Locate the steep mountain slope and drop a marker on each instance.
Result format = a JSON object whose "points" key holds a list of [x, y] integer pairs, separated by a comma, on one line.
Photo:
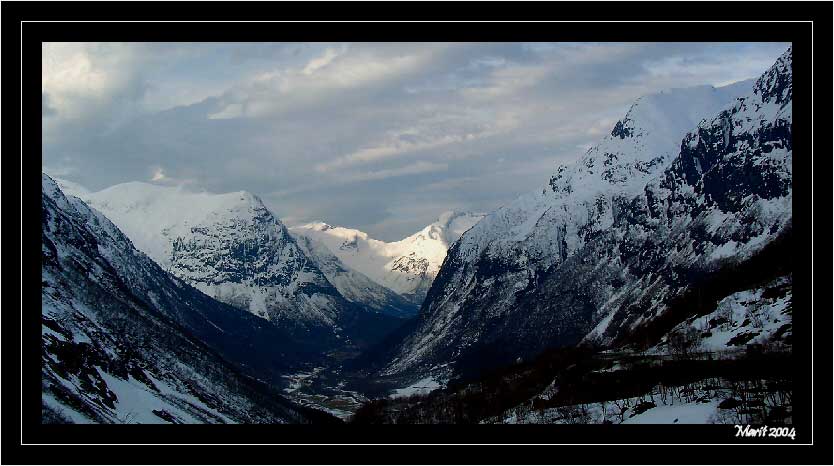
{"points": [[231, 247], [614, 237], [355, 286], [726, 197], [408, 266], [125, 342]]}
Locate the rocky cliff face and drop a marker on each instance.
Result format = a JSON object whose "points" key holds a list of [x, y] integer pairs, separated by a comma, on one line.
{"points": [[601, 250], [725, 197]]}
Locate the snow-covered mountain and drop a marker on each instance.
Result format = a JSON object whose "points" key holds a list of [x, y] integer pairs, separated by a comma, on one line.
{"points": [[605, 247], [125, 342], [355, 286], [408, 266], [231, 247]]}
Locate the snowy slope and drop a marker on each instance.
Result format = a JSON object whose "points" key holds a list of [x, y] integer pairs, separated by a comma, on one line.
{"points": [[231, 247], [408, 266], [125, 342], [353, 285], [618, 233], [70, 188], [762, 315]]}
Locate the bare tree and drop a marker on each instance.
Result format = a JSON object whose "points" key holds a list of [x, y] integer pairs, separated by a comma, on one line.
{"points": [[622, 407], [684, 343], [754, 317]]}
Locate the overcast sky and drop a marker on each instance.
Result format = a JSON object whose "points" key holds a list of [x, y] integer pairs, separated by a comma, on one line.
{"points": [[380, 137]]}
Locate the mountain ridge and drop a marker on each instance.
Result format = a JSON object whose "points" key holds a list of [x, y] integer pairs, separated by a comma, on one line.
{"points": [[586, 251]]}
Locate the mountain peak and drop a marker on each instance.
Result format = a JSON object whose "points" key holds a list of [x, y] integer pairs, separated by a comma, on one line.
{"points": [[407, 266], [143, 210], [643, 142], [776, 84], [319, 226]]}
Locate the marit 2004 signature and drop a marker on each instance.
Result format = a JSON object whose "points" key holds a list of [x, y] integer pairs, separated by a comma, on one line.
{"points": [[765, 431]]}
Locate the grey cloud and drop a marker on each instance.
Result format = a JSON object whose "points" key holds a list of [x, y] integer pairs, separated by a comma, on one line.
{"points": [[467, 126], [46, 110]]}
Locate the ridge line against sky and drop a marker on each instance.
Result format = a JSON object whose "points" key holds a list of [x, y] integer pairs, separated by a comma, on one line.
{"points": [[378, 137]]}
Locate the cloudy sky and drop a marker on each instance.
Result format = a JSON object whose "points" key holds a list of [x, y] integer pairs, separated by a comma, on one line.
{"points": [[380, 137]]}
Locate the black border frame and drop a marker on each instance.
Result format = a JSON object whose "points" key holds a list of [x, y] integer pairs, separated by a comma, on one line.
{"points": [[806, 25]]}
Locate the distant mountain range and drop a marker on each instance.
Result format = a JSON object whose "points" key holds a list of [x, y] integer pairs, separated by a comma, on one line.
{"points": [[234, 249], [406, 267]]}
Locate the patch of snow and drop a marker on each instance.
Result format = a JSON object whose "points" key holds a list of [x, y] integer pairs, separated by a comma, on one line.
{"points": [[421, 387], [683, 413]]}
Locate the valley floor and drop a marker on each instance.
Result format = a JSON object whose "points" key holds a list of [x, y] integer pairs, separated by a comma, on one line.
{"points": [[342, 393], [323, 388]]}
